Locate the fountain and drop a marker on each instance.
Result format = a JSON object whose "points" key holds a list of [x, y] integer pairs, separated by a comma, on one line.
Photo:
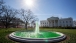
{"points": [[37, 36]]}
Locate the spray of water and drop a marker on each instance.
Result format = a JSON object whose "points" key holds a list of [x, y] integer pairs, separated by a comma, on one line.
{"points": [[36, 33], [37, 28]]}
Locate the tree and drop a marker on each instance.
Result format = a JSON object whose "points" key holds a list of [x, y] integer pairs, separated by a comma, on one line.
{"points": [[7, 16], [27, 16], [16, 22], [1, 6]]}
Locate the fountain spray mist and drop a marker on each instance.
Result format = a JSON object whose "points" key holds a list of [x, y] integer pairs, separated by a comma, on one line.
{"points": [[37, 28]]}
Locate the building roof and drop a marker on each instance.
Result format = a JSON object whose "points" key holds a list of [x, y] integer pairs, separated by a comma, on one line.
{"points": [[43, 21], [66, 18]]}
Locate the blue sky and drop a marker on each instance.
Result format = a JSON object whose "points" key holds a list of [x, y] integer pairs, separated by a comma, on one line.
{"points": [[47, 8]]}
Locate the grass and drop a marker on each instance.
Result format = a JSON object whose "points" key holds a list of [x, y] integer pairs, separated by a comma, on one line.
{"points": [[71, 33]]}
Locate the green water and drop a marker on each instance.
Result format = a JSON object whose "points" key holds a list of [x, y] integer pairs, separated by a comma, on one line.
{"points": [[43, 34]]}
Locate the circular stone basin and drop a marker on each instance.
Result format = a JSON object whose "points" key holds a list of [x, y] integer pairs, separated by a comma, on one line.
{"points": [[41, 37]]}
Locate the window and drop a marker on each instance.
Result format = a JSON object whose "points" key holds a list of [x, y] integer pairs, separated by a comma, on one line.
{"points": [[47, 22], [70, 25], [70, 21], [60, 22], [63, 21], [66, 22], [67, 25], [43, 23]]}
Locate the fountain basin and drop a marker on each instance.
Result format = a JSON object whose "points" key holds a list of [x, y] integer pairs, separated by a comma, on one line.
{"points": [[41, 37]]}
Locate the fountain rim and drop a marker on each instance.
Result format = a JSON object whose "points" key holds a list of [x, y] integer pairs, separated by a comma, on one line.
{"points": [[61, 35], [23, 40]]}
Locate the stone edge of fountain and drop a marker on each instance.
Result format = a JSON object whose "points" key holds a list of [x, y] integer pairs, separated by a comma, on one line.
{"points": [[18, 39]]}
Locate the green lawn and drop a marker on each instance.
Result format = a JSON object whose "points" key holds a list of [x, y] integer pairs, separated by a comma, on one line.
{"points": [[71, 33]]}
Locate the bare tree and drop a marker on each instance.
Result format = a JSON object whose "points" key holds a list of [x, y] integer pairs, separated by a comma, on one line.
{"points": [[7, 16], [27, 16], [1, 6]]}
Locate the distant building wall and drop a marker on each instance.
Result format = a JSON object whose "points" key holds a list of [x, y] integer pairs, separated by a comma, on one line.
{"points": [[56, 22], [74, 23]]}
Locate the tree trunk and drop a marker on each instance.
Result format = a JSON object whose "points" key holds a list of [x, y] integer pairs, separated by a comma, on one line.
{"points": [[26, 25], [6, 25]]}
